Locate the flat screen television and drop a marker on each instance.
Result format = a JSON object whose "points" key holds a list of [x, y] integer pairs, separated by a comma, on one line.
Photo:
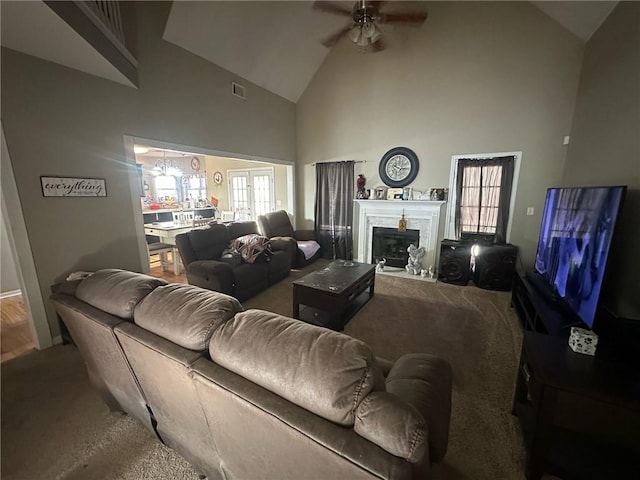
{"points": [[574, 242]]}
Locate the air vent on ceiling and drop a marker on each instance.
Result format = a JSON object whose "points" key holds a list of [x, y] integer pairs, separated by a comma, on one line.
{"points": [[238, 90]]}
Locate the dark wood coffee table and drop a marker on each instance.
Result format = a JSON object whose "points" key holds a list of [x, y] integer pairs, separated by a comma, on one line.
{"points": [[334, 294]]}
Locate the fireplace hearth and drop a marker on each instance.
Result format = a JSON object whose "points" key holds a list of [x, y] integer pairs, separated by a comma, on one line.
{"points": [[391, 244]]}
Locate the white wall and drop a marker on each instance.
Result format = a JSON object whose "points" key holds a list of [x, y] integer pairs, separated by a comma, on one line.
{"points": [[476, 77]]}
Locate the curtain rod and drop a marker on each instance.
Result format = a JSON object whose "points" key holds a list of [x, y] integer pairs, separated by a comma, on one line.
{"points": [[354, 161]]}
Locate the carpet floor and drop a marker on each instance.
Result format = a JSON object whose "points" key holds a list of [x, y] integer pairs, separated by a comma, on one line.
{"points": [[55, 426]]}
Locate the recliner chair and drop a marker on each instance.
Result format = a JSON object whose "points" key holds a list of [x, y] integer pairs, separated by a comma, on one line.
{"points": [[278, 225]]}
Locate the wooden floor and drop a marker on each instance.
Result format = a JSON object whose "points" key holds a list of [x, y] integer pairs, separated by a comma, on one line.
{"points": [[166, 273], [15, 336]]}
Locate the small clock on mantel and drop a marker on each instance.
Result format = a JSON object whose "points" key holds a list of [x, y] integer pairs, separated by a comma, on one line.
{"points": [[398, 167]]}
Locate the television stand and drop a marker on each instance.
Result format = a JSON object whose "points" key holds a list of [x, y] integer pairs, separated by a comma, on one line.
{"points": [[539, 312], [580, 415]]}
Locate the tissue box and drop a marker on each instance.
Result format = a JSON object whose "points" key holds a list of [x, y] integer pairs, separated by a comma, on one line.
{"points": [[583, 341]]}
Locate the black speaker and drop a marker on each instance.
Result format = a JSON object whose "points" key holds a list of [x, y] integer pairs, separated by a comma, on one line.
{"points": [[495, 266], [455, 262]]}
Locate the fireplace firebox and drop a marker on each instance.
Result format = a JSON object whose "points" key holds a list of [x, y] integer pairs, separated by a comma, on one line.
{"points": [[391, 244]]}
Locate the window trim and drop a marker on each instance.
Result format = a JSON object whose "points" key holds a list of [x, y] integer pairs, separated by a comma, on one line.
{"points": [[450, 230]]}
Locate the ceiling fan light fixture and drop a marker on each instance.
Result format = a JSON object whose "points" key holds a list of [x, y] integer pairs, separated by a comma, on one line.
{"points": [[368, 29], [377, 33], [355, 33], [363, 41]]}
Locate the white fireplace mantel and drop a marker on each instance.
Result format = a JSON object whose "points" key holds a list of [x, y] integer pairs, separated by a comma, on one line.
{"points": [[426, 216]]}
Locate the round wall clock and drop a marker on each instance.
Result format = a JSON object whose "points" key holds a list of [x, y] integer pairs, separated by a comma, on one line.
{"points": [[195, 163], [217, 178], [398, 167]]}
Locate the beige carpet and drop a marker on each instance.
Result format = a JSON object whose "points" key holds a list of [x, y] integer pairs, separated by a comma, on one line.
{"points": [[55, 426]]}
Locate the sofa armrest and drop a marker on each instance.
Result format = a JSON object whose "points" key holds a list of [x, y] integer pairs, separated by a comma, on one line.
{"points": [[212, 275], [425, 382], [287, 244], [305, 235], [394, 425]]}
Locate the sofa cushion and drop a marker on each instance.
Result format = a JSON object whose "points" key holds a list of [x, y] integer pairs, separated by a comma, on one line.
{"points": [[326, 372], [392, 424], [185, 315], [231, 257], [251, 246], [116, 291], [209, 243]]}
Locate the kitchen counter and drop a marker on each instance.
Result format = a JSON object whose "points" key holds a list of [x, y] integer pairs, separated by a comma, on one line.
{"points": [[165, 210]]}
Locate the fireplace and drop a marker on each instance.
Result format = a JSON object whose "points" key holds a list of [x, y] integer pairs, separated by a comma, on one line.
{"points": [[391, 244], [427, 217]]}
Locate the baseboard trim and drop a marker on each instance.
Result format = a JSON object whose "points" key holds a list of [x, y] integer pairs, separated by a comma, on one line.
{"points": [[11, 293]]}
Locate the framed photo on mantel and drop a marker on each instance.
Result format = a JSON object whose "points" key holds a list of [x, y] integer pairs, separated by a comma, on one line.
{"points": [[394, 194], [438, 193]]}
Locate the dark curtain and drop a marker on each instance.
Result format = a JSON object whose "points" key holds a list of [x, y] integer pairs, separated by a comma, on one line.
{"points": [[470, 172], [334, 209], [508, 165]]}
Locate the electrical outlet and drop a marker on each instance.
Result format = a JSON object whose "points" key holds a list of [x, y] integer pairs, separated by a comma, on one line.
{"points": [[530, 210], [566, 140]]}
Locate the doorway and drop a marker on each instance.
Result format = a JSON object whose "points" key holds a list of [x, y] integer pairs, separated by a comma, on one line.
{"points": [[240, 186], [251, 192]]}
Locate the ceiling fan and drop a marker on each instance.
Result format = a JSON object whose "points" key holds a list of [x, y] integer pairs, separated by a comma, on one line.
{"points": [[366, 17]]}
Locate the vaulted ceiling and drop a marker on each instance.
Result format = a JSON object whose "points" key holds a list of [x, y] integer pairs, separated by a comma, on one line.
{"points": [[276, 45]]}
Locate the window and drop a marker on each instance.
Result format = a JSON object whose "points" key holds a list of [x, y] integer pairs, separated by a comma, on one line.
{"points": [[480, 199], [482, 196], [166, 188], [194, 187]]}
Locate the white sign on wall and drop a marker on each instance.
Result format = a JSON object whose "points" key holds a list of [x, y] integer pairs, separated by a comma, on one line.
{"points": [[73, 187]]}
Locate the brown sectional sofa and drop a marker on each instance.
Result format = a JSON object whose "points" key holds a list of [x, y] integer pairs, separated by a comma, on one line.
{"points": [[201, 252], [252, 394]]}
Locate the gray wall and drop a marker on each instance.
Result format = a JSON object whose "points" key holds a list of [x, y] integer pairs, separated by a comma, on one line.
{"points": [[605, 141], [475, 78], [63, 122]]}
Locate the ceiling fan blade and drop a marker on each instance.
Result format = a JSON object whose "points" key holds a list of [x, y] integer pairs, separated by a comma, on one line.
{"points": [[377, 4], [416, 17], [332, 7], [333, 39]]}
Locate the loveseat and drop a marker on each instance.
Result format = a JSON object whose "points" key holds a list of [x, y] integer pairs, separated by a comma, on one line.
{"points": [[252, 394], [201, 251]]}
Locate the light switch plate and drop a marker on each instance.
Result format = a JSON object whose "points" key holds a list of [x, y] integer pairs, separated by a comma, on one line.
{"points": [[530, 210]]}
